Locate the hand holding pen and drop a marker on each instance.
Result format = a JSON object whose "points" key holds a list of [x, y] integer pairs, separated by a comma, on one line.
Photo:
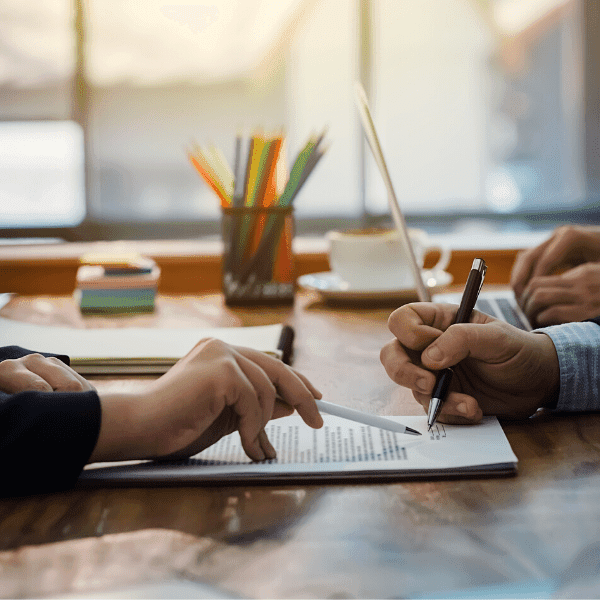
{"points": [[498, 369], [285, 345], [463, 315]]}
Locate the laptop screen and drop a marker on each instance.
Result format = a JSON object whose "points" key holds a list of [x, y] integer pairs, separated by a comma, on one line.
{"points": [[369, 128]]}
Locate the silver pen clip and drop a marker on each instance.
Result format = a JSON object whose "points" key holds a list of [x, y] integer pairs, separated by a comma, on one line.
{"points": [[480, 266]]}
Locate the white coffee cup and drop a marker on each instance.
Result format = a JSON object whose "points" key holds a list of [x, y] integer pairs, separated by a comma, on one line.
{"points": [[374, 259]]}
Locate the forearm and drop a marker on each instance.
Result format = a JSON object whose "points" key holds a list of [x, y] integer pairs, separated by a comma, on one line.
{"points": [[121, 434], [578, 349]]}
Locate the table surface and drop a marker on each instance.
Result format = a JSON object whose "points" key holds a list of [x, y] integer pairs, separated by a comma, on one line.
{"points": [[339, 541]]}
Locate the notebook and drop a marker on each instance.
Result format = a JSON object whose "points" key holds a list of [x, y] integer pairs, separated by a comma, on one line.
{"points": [[137, 350], [499, 304], [340, 451]]}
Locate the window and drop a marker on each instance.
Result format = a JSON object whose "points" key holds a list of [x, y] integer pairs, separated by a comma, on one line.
{"points": [[480, 104], [42, 181], [42, 167]]}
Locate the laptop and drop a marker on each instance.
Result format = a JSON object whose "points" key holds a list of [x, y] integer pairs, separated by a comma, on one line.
{"points": [[499, 304]]}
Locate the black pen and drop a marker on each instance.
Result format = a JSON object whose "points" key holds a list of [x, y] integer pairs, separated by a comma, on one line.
{"points": [[286, 344], [463, 315]]}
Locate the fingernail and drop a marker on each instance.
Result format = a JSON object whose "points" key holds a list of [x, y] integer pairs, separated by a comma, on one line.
{"points": [[462, 408], [434, 353], [422, 384], [270, 451]]}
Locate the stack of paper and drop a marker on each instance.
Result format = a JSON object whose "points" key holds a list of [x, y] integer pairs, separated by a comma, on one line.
{"points": [[132, 349], [116, 284], [340, 451]]}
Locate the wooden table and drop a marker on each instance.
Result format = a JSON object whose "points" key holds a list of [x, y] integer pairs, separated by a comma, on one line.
{"points": [[338, 541]]}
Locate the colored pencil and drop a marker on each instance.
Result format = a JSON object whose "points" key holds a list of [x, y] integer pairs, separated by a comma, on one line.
{"points": [[209, 178], [256, 249]]}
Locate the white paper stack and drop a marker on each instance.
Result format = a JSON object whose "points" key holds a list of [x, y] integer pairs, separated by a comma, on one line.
{"points": [[132, 349]]}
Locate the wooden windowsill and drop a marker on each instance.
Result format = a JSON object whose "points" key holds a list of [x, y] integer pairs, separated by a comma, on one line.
{"points": [[188, 266]]}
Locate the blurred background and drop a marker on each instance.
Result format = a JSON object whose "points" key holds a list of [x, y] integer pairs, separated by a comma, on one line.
{"points": [[487, 110]]}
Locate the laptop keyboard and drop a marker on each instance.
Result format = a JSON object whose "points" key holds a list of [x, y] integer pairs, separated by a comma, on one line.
{"points": [[501, 308], [500, 305]]}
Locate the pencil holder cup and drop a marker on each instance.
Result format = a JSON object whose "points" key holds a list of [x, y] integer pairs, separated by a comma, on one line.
{"points": [[258, 264]]}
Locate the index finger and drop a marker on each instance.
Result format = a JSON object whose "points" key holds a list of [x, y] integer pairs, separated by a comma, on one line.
{"points": [[418, 324], [293, 388], [262, 384], [558, 249], [523, 267]]}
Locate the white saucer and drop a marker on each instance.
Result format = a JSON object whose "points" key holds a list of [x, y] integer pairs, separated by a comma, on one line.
{"points": [[332, 287]]}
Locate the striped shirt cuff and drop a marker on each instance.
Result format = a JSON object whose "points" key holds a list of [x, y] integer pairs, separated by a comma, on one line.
{"points": [[578, 349]]}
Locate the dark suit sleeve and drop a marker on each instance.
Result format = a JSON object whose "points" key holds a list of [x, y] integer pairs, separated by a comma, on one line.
{"points": [[46, 438], [595, 320]]}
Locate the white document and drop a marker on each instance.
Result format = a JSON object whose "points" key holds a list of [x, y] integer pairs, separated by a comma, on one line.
{"points": [[130, 349], [5, 299], [340, 450]]}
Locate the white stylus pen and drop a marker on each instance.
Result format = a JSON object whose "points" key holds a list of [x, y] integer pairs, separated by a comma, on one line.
{"points": [[364, 418]]}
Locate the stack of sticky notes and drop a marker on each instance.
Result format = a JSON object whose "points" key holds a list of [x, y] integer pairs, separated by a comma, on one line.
{"points": [[123, 283]]}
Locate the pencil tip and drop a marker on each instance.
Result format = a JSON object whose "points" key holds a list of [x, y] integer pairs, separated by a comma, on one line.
{"points": [[413, 431]]}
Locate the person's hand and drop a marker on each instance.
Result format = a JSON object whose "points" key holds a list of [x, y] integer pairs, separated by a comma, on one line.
{"points": [[571, 296], [568, 247], [500, 370], [214, 390], [34, 372]]}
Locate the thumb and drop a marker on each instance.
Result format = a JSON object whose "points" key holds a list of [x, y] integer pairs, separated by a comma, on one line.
{"points": [[460, 341]]}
